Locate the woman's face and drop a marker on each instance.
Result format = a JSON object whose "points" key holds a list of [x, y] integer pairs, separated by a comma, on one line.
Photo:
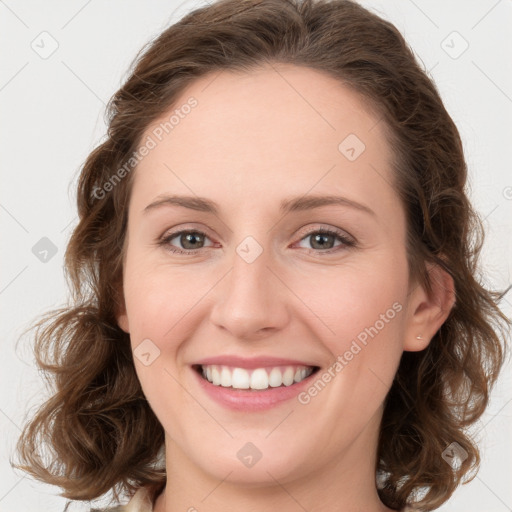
{"points": [[252, 156]]}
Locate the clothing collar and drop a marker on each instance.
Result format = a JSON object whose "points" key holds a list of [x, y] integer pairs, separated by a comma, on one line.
{"points": [[142, 500]]}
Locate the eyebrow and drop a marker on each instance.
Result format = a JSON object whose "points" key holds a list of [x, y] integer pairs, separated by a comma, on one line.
{"points": [[293, 204]]}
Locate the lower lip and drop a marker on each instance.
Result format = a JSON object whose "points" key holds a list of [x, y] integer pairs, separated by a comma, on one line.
{"points": [[247, 400]]}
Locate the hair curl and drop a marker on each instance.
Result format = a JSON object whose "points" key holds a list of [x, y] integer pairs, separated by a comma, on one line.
{"points": [[101, 432]]}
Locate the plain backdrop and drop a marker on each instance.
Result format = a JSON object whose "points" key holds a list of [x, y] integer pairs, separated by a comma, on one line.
{"points": [[62, 61]]}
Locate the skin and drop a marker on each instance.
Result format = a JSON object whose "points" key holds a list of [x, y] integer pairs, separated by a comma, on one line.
{"points": [[253, 140]]}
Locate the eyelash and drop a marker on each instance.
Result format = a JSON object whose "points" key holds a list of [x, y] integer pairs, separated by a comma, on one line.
{"points": [[347, 242]]}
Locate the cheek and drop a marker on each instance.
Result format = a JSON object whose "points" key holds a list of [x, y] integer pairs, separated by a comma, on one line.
{"points": [[158, 297], [359, 311], [160, 307], [350, 299]]}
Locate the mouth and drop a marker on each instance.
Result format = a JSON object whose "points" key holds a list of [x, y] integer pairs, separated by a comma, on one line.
{"points": [[254, 379]]}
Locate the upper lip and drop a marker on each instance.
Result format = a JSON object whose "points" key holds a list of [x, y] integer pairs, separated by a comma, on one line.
{"points": [[250, 363]]}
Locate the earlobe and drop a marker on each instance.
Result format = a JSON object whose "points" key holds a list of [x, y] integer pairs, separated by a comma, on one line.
{"points": [[120, 310], [122, 321], [122, 317], [429, 309]]}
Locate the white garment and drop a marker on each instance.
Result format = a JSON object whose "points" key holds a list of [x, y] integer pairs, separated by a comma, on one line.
{"points": [[141, 501]]}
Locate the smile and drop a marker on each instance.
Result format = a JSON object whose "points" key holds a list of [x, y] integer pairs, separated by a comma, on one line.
{"points": [[255, 389], [256, 378]]}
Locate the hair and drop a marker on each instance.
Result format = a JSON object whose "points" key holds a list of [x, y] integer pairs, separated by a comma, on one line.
{"points": [[99, 429]]}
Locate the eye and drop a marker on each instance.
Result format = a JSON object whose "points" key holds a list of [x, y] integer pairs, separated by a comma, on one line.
{"points": [[322, 240], [190, 240]]}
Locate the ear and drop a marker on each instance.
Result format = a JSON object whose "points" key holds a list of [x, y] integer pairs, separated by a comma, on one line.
{"points": [[122, 321], [427, 311], [121, 315]]}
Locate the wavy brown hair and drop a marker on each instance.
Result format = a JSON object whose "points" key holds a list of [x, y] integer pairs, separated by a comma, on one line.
{"points": [[98, 430]]}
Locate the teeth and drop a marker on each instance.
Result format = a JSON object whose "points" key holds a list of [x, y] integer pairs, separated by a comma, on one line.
{"points": [[240, 378], [258, 378], [275, 378], [215, 376], [225, 377], [288, 376]]}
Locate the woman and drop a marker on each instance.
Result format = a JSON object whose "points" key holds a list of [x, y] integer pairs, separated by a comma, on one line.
{"points": [[276, 304]]}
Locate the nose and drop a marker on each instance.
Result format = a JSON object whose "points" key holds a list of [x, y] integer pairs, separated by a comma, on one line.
{"points": [[251, 301]]}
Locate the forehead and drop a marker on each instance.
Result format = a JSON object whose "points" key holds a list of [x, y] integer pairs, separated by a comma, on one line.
{"points": [[250, 132]]}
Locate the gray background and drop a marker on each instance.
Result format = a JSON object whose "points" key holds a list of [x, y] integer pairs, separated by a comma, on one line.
{"points": [[52, 117]]}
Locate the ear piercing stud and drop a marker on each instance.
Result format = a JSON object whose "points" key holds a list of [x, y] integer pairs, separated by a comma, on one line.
{"points": [[419, 337]]}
